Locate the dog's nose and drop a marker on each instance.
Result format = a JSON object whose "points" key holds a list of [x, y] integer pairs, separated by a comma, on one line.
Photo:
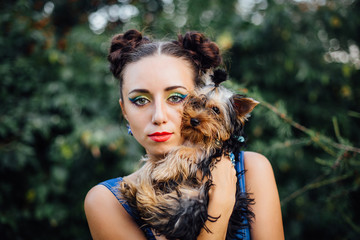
{"points": [[194, 122]]}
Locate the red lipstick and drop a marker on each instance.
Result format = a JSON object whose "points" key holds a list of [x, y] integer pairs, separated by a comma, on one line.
{"points": [[160, 136]]}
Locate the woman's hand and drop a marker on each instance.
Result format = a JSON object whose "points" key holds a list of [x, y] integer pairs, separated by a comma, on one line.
{"points": [[221, 199], [224, 189]]}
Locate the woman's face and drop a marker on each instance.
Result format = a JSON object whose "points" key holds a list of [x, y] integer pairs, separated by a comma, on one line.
{"points": [[154, 90]]}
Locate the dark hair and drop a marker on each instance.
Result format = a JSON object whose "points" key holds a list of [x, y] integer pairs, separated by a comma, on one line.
{"points": [[199, 52]]}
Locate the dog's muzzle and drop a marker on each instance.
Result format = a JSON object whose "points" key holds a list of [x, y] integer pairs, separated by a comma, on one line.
{"points": [[194, 122]]}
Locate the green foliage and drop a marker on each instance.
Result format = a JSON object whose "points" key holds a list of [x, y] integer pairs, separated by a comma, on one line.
{"points": [[60, 126]]}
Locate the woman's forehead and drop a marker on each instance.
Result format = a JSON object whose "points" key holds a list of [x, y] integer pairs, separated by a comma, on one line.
{"points": [[158, 72]]}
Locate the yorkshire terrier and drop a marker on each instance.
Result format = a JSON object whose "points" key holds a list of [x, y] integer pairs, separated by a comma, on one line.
{"points": [[171, 194]]}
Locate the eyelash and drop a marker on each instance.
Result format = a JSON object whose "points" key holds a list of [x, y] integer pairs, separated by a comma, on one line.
{"points": [[179, 98], [136, 100]]}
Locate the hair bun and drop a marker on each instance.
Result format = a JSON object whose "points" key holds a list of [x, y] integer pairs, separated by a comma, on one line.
{"points": [[205, 53], [121, 46]]}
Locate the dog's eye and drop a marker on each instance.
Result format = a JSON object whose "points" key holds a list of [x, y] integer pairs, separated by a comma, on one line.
{"points": [[216, 110]]}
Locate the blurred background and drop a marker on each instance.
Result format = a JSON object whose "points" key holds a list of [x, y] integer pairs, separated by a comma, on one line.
{"points": [[61, 130]]}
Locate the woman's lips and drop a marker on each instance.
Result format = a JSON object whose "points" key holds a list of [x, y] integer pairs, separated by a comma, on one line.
{"points": [[160, 136]]}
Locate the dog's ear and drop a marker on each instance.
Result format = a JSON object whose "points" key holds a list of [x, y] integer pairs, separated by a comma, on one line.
{"points": [[243, 105]]}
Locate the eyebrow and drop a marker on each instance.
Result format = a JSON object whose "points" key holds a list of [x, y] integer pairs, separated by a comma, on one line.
{"points": [[147, 91]]}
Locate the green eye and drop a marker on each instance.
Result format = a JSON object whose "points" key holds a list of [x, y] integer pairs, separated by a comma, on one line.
{"points": [[139, 100], [176, 97]]}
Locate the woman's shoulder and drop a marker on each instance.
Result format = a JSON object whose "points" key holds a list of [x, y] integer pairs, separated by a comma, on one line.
{"points": [[101, 193], [261, 184], [107, 217], [259, 173], [256, 161], [105, 194]]}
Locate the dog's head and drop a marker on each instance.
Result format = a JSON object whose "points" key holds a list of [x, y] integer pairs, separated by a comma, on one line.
{"points": [[212, 114]]}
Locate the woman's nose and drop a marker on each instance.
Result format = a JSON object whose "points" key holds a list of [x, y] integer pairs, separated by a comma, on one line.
{"points": [[160, 113]]}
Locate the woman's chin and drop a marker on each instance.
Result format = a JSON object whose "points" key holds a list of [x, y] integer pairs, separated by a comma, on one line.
{"points": [[159, 152]]}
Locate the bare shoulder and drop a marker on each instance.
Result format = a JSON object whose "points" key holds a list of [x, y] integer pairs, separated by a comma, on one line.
{"points": [[107, 218], [261, 184], [99, 194], [256, 162], [259, 172]]}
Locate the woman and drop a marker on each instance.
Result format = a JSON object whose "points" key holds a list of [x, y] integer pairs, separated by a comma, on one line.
{"points": [[155, 78]]}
